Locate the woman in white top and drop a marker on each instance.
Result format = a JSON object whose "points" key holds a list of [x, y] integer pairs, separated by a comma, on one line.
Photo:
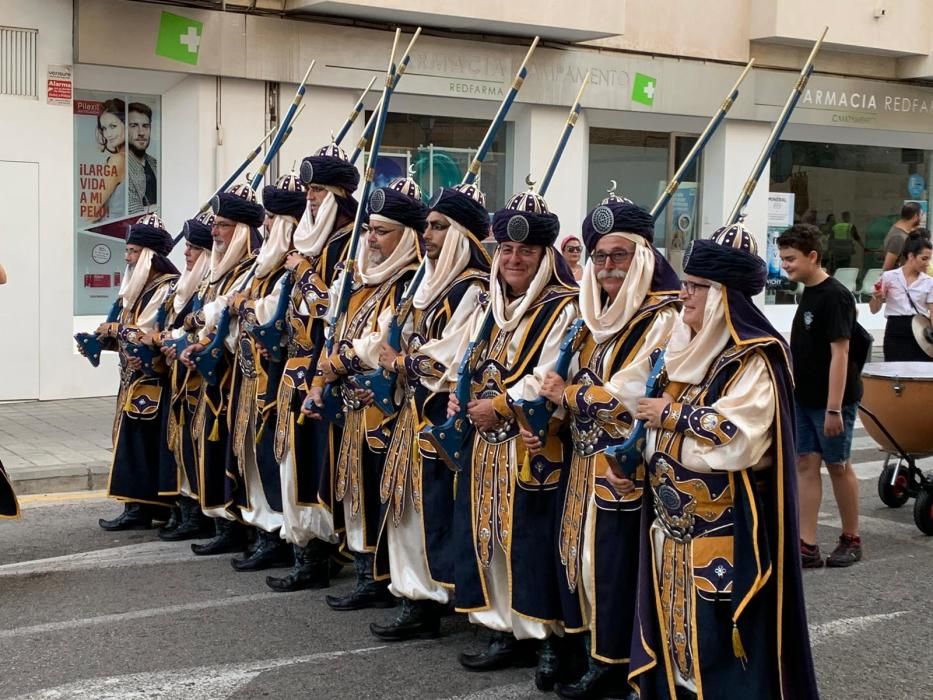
{"points": [[905, 292]]}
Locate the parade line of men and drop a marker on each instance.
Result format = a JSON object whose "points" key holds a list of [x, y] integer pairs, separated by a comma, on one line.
{"points": [[681, 580]]}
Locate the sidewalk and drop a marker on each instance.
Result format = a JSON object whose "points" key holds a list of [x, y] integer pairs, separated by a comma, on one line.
{"points": [[55, 446]]}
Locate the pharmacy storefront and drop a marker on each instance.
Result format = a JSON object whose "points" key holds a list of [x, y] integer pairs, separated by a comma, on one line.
{"points": [[169, 100]]}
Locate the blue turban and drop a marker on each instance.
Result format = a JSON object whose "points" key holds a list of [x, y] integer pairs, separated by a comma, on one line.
{"points": [[398, 206], [198, 233], [734, 268], [236, 208], [281, 201]]}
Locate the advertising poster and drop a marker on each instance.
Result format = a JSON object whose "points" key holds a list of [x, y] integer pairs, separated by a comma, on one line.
{"points": [[117, 180], [780, 218]]}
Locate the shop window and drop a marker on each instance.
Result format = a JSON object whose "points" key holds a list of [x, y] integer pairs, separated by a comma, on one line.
{"points": [[853, 194], [640, 164], [437, 151]]}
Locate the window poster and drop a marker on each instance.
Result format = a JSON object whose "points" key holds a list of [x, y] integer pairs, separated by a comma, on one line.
{"points": [[117, 180]]}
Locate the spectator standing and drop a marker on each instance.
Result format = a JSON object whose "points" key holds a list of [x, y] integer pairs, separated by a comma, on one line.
{"points": [[827, 390], [572, 250], [905, 292], [894, 241]]}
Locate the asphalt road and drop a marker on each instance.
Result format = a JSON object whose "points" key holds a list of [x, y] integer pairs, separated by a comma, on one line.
{"points": [[90, 614]]}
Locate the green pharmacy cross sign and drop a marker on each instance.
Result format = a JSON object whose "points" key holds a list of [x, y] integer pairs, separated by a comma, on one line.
{"points": [[643, 89], [179, 38]]}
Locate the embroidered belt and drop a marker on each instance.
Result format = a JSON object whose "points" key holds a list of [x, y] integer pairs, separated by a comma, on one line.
{"points": [[688, 504]]}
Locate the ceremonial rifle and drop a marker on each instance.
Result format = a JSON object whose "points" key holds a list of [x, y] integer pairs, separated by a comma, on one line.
{"points": [[179, 344], [451, 438], [206, 361], [271, 333], [382, 381], [371, 124], [535, 414], [333, 404], [625, 457]]}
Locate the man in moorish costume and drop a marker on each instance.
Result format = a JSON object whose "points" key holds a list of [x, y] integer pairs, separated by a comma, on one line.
{"points": [[628, 301], [417, 486], [506, 577], [237, 218], [303, 447], [257, 490], [720, 601], [387, 264], [137, 428], [179, 473], [9, 506]]}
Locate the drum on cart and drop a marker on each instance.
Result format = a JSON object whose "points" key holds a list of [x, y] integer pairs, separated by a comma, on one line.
{"points": [[897, 403]]}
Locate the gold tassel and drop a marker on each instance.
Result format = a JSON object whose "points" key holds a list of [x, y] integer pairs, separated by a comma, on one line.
{"points": [[215, 431], [181, 416], [525, 472], [737, 647], [301, 419], [456, 479]]}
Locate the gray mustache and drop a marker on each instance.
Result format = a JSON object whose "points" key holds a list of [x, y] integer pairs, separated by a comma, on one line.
{"points": [[609, 274]]}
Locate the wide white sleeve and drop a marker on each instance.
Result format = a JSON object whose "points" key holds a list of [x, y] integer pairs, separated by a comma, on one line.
{"points": [[749, 405], [265, 306], [528, 387], [471, 326], [214, 309], [146, 321], [367, 347], [449, 348], [628, 383]]}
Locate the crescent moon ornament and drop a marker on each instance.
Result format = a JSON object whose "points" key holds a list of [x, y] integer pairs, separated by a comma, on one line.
{"points": [[529, 181], [411, 170], [612, 187]]}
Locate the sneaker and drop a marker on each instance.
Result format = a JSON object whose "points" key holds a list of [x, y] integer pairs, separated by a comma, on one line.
{"points": [[810, 557], [847, 552]]}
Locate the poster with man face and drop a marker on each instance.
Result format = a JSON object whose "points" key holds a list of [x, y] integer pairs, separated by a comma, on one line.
{"points": [[117, 180]]}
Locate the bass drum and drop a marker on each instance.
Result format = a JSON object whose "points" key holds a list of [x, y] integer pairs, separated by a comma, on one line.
{"points": [[899, 395]]}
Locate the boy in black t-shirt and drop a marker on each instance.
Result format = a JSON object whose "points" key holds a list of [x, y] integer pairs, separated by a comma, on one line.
{"points": [[827, 390]]}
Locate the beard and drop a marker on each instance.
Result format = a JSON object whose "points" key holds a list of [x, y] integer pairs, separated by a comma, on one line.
{"points": [[611, 274], [138, 152], [376, 256], [220, 247]]}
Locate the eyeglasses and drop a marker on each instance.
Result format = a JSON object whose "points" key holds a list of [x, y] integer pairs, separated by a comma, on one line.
{"points": [[691, 287], [573, 249], [223, 224], [379, 231], [617, 256]]}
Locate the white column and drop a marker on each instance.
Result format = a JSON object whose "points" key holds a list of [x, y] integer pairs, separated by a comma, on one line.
{"points": [[537, 132], [727, 161]]}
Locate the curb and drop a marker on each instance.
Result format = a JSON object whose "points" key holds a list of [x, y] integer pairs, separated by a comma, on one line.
{"points": [[59, 478]]}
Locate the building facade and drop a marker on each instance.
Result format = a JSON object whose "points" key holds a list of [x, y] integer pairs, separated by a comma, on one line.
{"points": [[117, 107]]}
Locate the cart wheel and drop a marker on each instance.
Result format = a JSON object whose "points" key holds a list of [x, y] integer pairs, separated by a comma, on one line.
{"points": [[893, 495], [923, 512]]}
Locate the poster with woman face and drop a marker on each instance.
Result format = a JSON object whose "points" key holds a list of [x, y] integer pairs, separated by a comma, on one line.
{"points": [[117, 151]]}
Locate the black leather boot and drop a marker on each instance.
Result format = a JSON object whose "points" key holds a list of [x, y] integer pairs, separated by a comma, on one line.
{"points": [[503, 651], [230, 537], [174, 520], [311, 570], [548, 664], [134, 517], [417, 619], [271, 551], [194, 524], [368, 593], [601, 680]]}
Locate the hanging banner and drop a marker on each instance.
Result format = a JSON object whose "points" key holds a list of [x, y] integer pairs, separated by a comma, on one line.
{"points": [[117, 151]]}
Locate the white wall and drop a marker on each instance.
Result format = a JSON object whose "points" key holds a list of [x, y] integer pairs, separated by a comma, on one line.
{"points": [[35, 132]]}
